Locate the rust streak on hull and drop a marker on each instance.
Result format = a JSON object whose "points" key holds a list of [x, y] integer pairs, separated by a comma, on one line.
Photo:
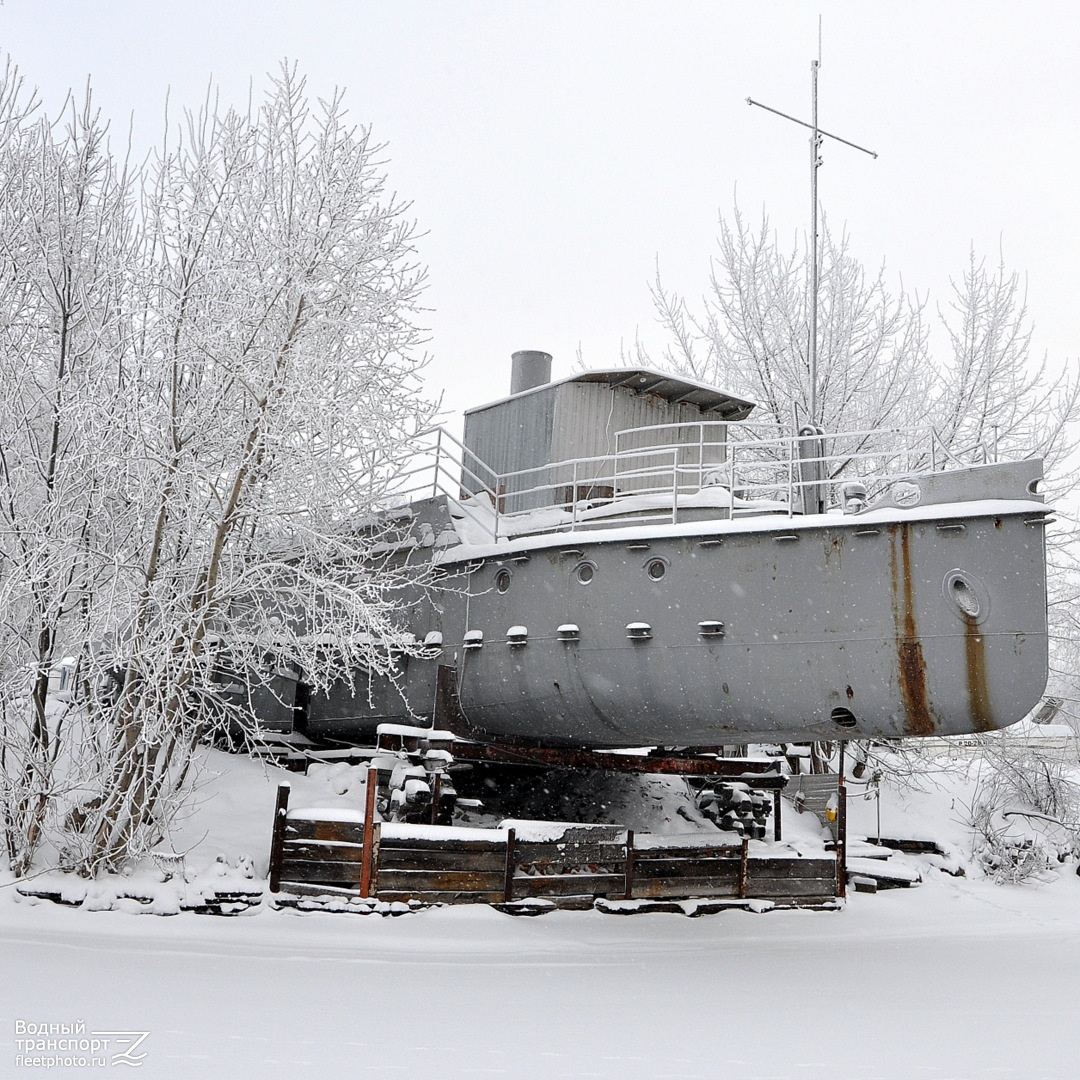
{"points": [[982, 717], [910, 663]]}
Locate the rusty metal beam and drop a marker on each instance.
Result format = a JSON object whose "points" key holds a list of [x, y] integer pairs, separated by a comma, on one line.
{"points": [[753, 771]]}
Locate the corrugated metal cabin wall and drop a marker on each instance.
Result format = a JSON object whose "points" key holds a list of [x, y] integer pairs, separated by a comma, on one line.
{"points": [[588, 415], [512, 435]]}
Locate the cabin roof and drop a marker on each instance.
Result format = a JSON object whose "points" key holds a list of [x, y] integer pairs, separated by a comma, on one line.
{"points": [[641, 380]]}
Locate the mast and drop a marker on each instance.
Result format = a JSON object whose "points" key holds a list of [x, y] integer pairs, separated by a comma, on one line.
{"points": [[817, 135], [815, 269]]}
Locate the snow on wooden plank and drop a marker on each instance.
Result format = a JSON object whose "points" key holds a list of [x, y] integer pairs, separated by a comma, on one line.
{"points": [[345, 832], [657, 852], [439, 897], [326, 813], [440, 834], [563, 831], [307, 888]]}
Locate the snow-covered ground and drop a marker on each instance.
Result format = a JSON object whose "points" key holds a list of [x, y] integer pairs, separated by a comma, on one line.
{"points": [[958, 978]]}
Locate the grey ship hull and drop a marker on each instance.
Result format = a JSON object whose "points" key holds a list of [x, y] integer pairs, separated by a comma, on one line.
{"points": [[769, 629]]}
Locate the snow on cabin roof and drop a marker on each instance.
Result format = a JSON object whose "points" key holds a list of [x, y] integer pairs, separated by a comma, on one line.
{"points": [[641, 380]]}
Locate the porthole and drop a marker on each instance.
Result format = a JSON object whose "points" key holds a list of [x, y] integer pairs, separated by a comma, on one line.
{"points": [[584, 572], [967, 595], [502, 580], [656, 569]]}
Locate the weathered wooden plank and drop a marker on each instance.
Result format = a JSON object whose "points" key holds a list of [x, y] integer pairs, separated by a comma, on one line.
{"points": [[674, 868], [793, 887], [281, 813], [403, 896], [393, 858], [336, 873], [666, 888], [321, 851], [677, 851], [371, 835], [782, 868], [508, 868], [440, 881], [570, 853], [349, 832], [569, 885], [496, 843], [307, 888]]}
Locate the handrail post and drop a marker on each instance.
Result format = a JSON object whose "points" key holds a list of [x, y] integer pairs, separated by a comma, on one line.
{"points": [[438, 464], [675, 486], [729, 447], [701, 455]]}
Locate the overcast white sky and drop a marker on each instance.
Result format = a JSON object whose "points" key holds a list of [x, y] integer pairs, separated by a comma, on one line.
{"points": [[553, 151]]}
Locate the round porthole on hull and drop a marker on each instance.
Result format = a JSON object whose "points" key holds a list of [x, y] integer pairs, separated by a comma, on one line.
{"points": [[584, 572], [967, 595]]}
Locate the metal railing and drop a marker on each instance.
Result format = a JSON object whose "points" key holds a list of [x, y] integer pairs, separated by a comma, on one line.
{"points": [[661, 473]]}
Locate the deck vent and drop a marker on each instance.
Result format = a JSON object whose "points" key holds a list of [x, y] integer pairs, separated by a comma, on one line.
{"points": [[474, 639], [517, 635], [638, 631], [710, 628], [853, 496], [569, 632], [845, 718]]}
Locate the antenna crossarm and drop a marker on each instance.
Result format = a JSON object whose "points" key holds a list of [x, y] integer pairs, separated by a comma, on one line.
{"points": [[820, 131]]}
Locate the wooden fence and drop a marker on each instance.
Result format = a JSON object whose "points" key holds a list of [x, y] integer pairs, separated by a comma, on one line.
{"points": [[322, 852]]}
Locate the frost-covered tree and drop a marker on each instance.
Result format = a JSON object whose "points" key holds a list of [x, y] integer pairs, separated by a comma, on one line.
{"points": [[65, 242], [991, 392], [876, 366], [255, 400], [752, 333]]}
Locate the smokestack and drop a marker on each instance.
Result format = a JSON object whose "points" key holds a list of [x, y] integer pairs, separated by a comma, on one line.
{"points": [[530, 368]]}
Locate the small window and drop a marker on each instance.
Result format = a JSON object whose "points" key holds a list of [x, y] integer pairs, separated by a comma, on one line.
{"points": [[502, 580], [584, 573], [656, 569]]}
